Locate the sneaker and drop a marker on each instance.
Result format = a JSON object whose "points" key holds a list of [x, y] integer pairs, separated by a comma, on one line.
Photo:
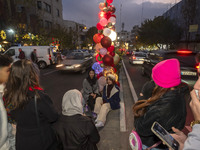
{"points": [[99, 124]]}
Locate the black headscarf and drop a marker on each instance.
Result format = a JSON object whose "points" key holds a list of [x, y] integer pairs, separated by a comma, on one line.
{"points": [[93, 80]]}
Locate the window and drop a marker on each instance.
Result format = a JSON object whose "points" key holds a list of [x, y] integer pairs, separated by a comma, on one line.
{"points": [[11, 52], [58, 13], [48, 24], [39, 4], [47, 7]]}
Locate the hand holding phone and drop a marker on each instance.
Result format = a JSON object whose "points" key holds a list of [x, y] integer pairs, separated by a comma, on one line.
{"points": [[162, 134]]}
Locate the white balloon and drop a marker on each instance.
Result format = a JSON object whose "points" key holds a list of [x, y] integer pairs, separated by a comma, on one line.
{"points": [[103, 51], [106, 31], [113, 35], [112, 20]]}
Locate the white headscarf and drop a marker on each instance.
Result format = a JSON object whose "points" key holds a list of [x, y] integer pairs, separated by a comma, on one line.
{"points": [[72, 103]]}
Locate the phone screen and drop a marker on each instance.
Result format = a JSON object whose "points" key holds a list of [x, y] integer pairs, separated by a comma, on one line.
{"points": [[165, 136]]}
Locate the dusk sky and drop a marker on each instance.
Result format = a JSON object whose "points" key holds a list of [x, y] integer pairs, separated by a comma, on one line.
{"points": [[86, 11]]}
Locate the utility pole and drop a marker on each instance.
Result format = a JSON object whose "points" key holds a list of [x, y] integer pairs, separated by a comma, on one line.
{"points": [[142, 11]]}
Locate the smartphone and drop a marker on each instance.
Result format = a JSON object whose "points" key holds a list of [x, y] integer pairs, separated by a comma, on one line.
{"points": [[162, 134]]}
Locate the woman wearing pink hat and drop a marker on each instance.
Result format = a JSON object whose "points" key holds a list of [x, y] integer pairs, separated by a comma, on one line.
{"points": [[166, 105]]}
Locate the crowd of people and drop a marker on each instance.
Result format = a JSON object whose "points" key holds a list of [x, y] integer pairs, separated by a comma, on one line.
{"points": [[28, 120]]}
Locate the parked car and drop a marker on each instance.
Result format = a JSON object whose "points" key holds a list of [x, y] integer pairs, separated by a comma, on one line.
{"points": [[76, 62], [137, 58], [186, 58], [44, 54]]}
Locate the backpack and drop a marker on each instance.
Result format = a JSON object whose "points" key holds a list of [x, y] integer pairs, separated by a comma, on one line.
{"points": [[136, 143]]}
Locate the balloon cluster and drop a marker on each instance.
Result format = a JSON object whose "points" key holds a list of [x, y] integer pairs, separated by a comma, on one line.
{"points": [[105, 50]]}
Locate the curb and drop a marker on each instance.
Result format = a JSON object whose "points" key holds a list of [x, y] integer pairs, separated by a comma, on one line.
{"points": [[134, 95], [122, 107]]}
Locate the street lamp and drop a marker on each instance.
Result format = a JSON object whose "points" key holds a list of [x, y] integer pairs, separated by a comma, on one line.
{"points": [[11, 31]]}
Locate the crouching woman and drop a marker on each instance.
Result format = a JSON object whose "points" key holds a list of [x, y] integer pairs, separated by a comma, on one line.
{"points": [[109, 101]]}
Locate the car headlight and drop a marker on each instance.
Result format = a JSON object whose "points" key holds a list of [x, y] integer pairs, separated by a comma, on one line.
{"points": [[60, 65], [76, 65]]}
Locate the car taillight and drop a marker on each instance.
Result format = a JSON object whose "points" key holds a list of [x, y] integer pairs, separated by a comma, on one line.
{"points": [[49, 57], [197, 66], [134, 57], [184, 51]]}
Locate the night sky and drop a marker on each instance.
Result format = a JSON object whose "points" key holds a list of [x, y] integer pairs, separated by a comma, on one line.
{"points": [[86, 11]]}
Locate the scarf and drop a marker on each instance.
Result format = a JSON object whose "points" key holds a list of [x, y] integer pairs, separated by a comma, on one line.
{"points": [[109, 89], [72, 103]]}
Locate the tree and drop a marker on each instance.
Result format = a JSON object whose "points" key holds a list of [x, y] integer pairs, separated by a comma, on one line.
{"points": [[89, 35], [158, 31]]}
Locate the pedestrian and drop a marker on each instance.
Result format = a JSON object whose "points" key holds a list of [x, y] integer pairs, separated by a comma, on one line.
{"points": [[109, 101], [32, 109], [75, 130], [90, 89], [34, 57], [5, 127], [21, 54], [58, 57], [167, 105]]}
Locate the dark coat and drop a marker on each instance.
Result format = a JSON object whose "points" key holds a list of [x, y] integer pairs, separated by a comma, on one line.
{"points": [[169, 111], [21, 55], [114, 98], [28, 135], [77, 132]]}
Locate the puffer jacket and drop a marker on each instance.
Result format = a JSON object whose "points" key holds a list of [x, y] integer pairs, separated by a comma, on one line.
{"points": [[169, 111]]}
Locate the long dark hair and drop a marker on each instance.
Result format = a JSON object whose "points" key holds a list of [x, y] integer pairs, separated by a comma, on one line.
{"points": [[139, 108], [93, 80], [23, 75]]}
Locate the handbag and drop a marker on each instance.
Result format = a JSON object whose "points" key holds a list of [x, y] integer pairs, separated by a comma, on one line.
{"points": [[136, 143], [59, 145]]}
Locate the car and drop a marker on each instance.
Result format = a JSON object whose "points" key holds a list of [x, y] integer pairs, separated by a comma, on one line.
{"points": [[186, 58], [44, 54], [137, 58], [76, 62]]}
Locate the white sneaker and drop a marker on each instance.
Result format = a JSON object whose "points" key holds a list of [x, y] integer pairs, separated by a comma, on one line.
{"points": [[99, 124]]}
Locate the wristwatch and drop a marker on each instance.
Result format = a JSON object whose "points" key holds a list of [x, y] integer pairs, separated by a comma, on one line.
{"points": [[194, 122]]}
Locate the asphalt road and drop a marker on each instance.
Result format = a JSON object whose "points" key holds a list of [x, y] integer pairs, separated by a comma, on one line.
{"points": [[56, 84]]}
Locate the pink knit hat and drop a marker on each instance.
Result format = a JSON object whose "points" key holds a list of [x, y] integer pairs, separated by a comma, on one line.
{"points": [[167, 73]]}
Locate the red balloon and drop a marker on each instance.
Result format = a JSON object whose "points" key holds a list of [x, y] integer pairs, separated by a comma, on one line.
{"points": [[109, 1], [108, 15], [106, 42], [111, 48], [112, 53], [97, 37], [99, 26], [108, 60]]}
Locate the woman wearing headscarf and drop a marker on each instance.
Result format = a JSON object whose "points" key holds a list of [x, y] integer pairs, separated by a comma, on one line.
{"points": [[34, 131], [76, 131], [90, 89], [109, 101]]}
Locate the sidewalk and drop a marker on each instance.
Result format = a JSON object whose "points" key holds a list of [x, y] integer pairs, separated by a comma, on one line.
{"points": [[115, 134]]}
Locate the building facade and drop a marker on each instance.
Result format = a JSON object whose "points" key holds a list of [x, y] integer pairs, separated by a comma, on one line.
{"points": [[186, 14], [78, 31]]}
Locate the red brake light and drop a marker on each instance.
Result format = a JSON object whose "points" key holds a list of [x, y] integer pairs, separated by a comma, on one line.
{"points": [[184, 51], [197, 66], [49, 57]]}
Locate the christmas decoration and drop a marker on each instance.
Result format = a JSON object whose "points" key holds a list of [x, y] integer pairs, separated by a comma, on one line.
{"points": [[106, 42], [106, 56]]}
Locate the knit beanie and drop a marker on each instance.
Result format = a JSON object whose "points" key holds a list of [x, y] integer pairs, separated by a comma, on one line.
{"points": [[111, 76], [167, 73]]}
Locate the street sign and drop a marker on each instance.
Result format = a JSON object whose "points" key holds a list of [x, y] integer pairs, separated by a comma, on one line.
{"points": [[193, 28]]}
